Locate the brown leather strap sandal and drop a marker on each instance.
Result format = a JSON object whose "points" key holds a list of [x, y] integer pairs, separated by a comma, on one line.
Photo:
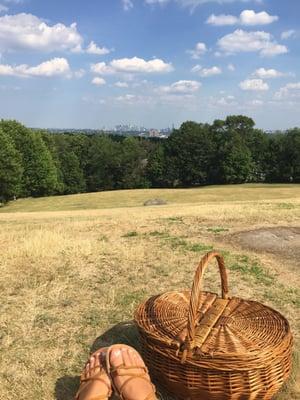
{"points": [[136, 370], [98, 374]]}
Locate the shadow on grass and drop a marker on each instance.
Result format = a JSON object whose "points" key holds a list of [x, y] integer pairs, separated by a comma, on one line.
{"points": [[66, 387], [124, 332]]}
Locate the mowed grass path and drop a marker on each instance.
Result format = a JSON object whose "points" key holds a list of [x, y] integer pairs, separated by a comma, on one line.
{"points": [[71, 280]]}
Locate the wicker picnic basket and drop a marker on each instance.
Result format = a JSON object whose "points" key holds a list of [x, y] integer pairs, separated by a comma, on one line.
{"points": [[200, 346]]}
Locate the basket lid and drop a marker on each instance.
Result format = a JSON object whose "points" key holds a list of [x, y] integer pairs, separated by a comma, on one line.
{"points": [[201, 324]]}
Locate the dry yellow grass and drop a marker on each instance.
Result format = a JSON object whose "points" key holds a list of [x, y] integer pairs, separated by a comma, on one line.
{"points": [[135, 198], [67, 277]]}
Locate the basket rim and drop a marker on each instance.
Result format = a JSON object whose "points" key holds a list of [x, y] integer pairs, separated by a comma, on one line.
{"points": [[167, 343]]}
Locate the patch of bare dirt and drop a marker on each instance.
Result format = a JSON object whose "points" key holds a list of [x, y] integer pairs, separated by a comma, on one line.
{"points": [[277, 240]]}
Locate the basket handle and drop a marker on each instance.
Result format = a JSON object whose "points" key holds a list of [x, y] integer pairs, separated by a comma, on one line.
{"points": [[195, 299]]}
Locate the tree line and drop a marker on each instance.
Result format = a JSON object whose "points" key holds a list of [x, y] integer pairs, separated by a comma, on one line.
{"points": [[37, 163]]}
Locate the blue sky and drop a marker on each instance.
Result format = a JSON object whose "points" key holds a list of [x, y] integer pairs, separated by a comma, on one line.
{"points": [[90, 64]]}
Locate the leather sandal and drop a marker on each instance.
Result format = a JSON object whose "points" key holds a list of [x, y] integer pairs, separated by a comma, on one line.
{"points": [[123, 370], [85, 381]]}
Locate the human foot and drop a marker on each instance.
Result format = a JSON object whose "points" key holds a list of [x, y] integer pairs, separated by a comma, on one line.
{"points": [[129, 374], [94, 381]]}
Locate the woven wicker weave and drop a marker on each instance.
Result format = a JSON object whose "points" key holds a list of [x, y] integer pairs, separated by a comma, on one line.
{"points": [[200, 346]]}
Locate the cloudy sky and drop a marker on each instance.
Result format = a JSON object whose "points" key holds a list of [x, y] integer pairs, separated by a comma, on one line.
{"points": [[89, 64]]}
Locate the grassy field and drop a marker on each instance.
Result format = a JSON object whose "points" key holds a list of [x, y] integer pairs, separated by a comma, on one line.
{"points": [[74, 268], [136, 198]]}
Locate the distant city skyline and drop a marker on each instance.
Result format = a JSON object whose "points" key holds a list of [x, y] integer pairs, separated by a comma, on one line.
{"points": [[117, 129], [71, 65]]}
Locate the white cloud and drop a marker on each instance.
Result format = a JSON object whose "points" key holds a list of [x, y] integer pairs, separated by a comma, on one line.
{"points": [[132, 99], [293, 86], [6, 70], [14, 1], [94, 49], [247, 17], [258, 41], [206, 72], [121, 84], [226, 101], [290, 90], [181, 87], [132, 65], [256, 103], [273, 49], [93, 100], [127, 4], [254, 85], [79, 74], [126, 97], [98, 81], [183, 101], [195, 3], [156, 1], [54, 67], [135, 64], [264, 73], [222, 20], [231, 67], [199, 50], [102, 69], [3, 8], [26, 31], [191, 4], [250, 17], [223, 101], [288, 34]]}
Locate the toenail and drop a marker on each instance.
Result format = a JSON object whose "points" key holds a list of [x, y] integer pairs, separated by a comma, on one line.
{"points": [[117, 352]]}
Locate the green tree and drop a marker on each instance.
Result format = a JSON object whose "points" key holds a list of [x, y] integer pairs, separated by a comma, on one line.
{"points": [[10, 168], [275, 168], [80, 145], [189, 152], [104, 169], [254, 139], [232, 160], [236, 165], [133, 164], [49, 140], [70, 168], [40, 174], [292, 154], [156, 166], [282, 158], [39, 171]]}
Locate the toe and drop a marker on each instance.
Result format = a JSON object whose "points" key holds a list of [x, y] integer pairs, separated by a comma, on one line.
{"points": [[97, 364], [138, 360], [131, 355], [92, 366], [127, 357], [131, 388], [102, 356], [116, 358], [86, 370]]}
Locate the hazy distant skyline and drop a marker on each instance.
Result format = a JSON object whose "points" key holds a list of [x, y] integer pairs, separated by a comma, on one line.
{"points": [[74, 64]]}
